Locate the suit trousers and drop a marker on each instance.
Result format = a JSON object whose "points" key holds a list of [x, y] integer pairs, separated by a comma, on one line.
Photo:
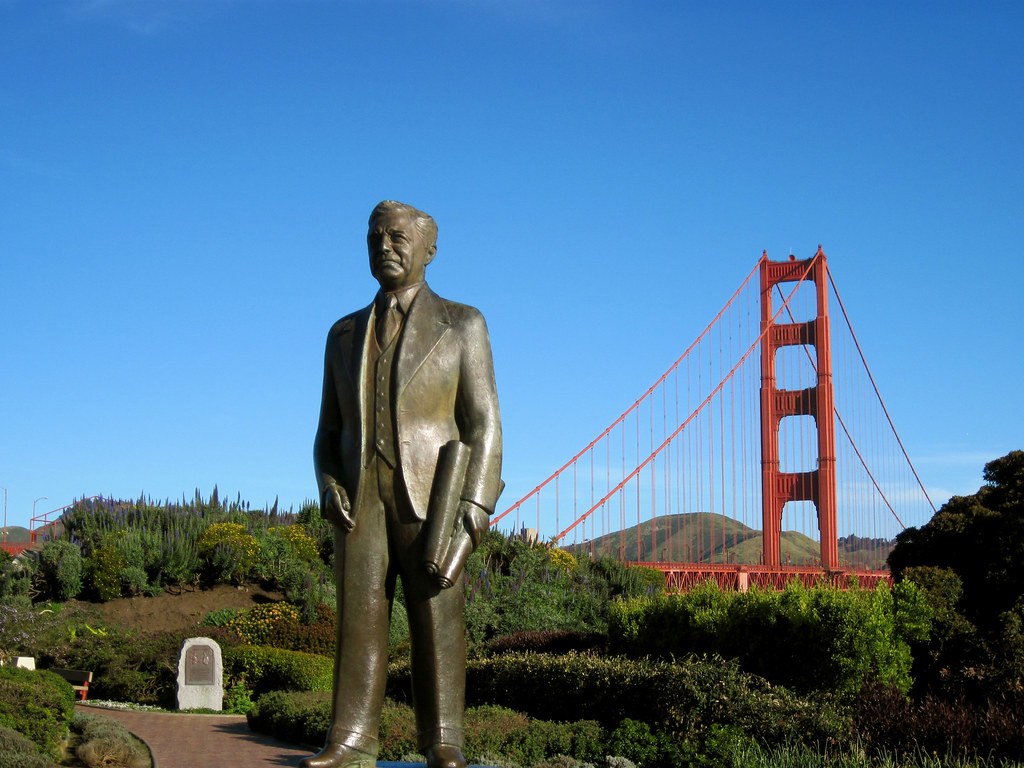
{"points": [[387, 542]]}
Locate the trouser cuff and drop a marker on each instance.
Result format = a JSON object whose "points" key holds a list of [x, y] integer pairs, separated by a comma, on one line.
{"points": [[354, 739], [453, 737]]}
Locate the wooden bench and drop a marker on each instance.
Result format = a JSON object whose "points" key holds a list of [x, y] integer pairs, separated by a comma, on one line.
{"points": [[78, 678]]}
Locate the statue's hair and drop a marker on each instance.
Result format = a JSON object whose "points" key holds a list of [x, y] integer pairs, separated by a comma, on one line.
{"points": [[424, 222]]}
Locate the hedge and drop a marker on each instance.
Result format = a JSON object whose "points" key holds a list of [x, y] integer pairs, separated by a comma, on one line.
{"points": [[808, 639], [683, 699], [271, 669], [37, 704], [304, 717]]}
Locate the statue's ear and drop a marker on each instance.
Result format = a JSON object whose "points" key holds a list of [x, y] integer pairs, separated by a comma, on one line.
{"points": [[431, 252]]}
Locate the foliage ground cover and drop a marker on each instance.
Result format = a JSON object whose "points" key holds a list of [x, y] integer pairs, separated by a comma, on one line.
{"points": [[707, 678]]}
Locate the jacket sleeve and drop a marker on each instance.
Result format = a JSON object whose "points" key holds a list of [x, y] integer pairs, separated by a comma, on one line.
{"points": [[477, 414], [327, 444]]}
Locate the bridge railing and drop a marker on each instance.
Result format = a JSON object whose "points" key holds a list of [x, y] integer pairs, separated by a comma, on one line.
{"points": [[680, 577]]}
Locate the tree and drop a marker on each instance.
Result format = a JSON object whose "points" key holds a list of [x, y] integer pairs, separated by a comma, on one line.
{"points": [[980, 538], [969, 561]]}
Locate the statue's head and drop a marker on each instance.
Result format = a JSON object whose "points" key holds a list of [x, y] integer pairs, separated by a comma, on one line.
{"points": [[401, 241]]}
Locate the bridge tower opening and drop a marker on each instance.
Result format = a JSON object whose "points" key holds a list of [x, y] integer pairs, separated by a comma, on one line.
{"points": [[816, 485]]}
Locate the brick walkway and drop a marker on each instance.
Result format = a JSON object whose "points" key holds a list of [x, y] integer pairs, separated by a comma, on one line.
{"points": [[204, 741], [211, 741]]}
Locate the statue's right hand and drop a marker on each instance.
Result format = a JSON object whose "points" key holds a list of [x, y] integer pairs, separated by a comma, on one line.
{"points": [[337, 508]]}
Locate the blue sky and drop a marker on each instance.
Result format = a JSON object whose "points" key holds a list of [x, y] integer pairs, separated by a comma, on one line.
{"points": [[184, 187]]}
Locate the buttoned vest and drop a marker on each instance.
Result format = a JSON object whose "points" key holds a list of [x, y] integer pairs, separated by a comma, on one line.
{"points": [[381, 384]]}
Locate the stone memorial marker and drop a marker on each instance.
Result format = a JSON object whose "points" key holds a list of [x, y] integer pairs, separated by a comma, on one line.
{"points": [[200, 674]]}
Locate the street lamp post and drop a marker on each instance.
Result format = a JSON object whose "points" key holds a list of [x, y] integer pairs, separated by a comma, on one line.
{"points": [[5, 514], [34, 505], [34, 514]]}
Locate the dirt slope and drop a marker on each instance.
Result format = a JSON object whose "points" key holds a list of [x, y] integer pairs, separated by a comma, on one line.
{"points": [[172, 612]]}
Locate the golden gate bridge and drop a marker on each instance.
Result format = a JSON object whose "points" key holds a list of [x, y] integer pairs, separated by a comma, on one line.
{"points": [[764, 453]]}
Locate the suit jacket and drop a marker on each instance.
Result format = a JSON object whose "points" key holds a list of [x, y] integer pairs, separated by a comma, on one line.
{"points": [[443, 389]]}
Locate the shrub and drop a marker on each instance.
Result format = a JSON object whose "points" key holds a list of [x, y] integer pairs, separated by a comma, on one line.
{"points": [[546, 641], [634, 740], [16, 576], [134, 580], [809, 639], [301, 717], [105, 567], [255, 625], [38, 705], [682, 699], [221, 617], [317, 637], [229, 552], [397, 731], [271, 669], [490, 730], [306, 585], [179, 559], [105, 742], [126, 667], [60, 568], [15, 741], [886, 720], [512, 586], [25, 760]]}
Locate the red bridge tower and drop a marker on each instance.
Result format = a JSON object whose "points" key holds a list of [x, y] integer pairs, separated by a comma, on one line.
{"points": [[819, 485]]}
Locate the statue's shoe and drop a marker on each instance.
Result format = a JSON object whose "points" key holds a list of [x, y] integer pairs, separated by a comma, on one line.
{"points": [[339, 756], [445, 756]]}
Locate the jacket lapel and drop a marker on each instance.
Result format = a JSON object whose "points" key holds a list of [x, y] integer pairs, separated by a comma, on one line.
{"points": [[425, 326], [354, 347]]}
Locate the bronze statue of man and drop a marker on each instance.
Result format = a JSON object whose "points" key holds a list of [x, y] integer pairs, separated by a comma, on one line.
{"points": [[404, 377]]}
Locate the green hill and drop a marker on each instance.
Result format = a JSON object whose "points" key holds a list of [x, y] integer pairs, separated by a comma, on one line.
{"points": [[16, 534], [705, 537]]}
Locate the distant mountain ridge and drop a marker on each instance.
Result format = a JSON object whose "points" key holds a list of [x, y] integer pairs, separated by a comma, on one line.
{"points": [[708, 537]]}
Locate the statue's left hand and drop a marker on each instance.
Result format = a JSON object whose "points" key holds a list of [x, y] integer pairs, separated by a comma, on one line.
{"points": [[475, 520]]}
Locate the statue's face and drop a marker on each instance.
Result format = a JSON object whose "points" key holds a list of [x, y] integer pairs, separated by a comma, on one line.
{"points": [[398, 253]]}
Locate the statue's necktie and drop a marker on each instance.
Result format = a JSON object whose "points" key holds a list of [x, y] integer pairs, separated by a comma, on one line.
{"points": [[388, 321]]}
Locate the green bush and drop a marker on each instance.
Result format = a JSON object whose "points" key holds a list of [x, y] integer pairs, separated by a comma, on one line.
{"points": [[230, 553], [254, 625], [888, 721], [16, 576], [105, 742], [125, 666], [301, 717], [60, 568], [682, 699], [512, 586], [818, 639], [305, 718], [634, 740], [15, 741], [547, 641], [17, 751], [397, 731], [105, 567], [264, 669], [221, 617], [316, 637], [25, 760], [37, 704]]}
